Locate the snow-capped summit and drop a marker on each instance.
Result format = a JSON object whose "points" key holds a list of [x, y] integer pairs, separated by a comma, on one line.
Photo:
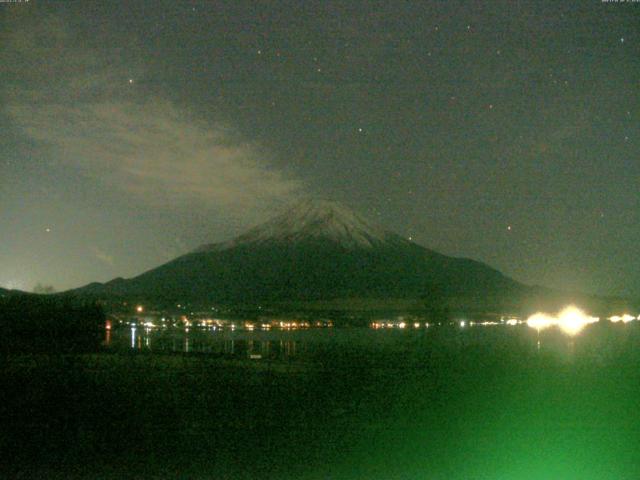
{"points": [[314, 220]]}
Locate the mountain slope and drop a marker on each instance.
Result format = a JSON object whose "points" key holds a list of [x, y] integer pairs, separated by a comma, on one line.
{"points": [[315, 251]]}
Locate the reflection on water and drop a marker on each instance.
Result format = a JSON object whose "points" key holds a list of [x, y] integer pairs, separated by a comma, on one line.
{"points": [[236, 344], [593, 341]]}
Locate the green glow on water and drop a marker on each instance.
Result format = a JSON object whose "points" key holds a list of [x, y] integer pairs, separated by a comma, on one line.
{"points": [[568, 411], [496, 403]]}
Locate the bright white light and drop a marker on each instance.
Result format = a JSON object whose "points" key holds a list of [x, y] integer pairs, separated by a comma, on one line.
{"points": [[462, 323], [626, 318], [512, 321], [540, 321], [402, 325], [572, 320]]}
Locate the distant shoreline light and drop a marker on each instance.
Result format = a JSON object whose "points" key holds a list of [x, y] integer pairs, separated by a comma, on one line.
{"points": [[571, 320], [625, 318]]}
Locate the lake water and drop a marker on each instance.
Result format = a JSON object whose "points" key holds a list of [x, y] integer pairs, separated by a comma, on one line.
{"points": [[456, 403]]}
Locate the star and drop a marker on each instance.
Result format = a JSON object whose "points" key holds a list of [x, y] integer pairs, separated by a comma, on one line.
{"points": [[360, 129], [509, 227], [621, 39], [130, 80], [48, 230]]}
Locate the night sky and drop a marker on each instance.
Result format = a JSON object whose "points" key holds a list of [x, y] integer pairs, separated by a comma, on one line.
{"points": [[508, 132]]}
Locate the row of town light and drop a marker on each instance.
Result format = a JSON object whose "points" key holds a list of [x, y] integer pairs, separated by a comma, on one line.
{"points": [[571, 321]]}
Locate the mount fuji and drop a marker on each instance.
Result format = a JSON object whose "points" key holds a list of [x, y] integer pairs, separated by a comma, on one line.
{"points": [[315, 251]]}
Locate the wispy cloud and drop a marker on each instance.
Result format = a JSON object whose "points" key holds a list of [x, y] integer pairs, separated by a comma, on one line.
{"points": [[103, 256], [156, 155], [149, 149]]}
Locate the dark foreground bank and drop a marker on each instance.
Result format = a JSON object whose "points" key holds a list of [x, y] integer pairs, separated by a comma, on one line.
{"points": [[483, 404], [46, 323]]}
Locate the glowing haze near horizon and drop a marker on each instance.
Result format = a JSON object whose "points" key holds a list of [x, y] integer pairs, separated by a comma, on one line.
{"points": [[132, 132]]}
